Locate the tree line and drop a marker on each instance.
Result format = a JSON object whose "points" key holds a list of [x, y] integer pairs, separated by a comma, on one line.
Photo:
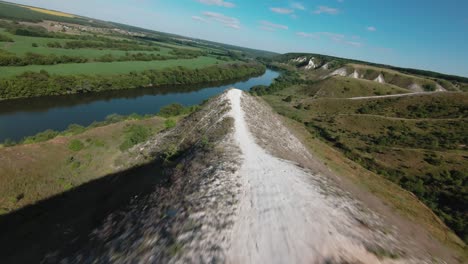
{"points": [[31, 84], [10, 59], [4, 38], [30, 58]]}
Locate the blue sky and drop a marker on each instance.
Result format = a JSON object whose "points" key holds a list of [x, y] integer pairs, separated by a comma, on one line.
{"points": [[423, 34]]}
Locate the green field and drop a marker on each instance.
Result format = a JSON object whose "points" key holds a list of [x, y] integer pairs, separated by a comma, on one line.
{"points": [[109, 68], [23, 45]]}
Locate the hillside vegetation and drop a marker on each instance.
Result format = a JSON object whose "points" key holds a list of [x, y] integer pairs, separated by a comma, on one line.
{"points": [[54, 162], [342, 87], [336, 62], [417, 141]]}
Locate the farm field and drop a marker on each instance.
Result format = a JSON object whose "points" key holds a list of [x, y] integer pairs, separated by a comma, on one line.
{"points": [[108, 68]]}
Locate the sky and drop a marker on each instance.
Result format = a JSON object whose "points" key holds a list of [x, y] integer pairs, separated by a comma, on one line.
{"points": [[423, 34]]}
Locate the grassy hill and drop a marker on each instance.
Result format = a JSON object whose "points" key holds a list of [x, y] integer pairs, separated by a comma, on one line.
{"points": [[336, 62], [417, 141], [343, 87]]}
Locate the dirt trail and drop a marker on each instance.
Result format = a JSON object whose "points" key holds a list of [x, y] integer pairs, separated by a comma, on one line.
{"points": [[391, 95], [285, 213], [238, 202]]}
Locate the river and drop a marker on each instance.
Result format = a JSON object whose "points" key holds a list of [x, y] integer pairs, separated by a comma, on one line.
{"points": [[26, 117]]}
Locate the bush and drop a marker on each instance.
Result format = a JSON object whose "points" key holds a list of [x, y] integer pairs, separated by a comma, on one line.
{"points": [[4, 38], [172, 110], [288, 99], [170, 123], [8, 142], [75, 145], [41, 137], [134, 135]]}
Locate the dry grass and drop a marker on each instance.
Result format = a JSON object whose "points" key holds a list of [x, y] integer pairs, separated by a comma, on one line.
{"points": [[49, 12]]}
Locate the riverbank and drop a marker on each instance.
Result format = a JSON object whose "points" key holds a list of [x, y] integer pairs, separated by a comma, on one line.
{"points": [[34, 84], [26, 117]]}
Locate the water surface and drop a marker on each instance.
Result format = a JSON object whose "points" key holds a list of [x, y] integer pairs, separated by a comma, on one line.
{"points": [[26, 117]]}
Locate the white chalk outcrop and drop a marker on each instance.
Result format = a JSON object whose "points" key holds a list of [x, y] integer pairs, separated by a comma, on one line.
{"points": [[326, 66], [299, 60], [354, 75], [380, 79], [312, 65]]}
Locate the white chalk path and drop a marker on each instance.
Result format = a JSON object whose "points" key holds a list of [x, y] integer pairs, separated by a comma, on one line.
{"points": [[283, 217]]}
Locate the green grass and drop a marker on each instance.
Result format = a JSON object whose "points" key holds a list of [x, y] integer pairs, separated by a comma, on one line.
{"points": [[170, 123], [105, 68], [135, 134], [76, 145]]}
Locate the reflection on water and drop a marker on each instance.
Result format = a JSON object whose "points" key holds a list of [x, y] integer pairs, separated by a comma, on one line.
{"points": [[25, 117]]}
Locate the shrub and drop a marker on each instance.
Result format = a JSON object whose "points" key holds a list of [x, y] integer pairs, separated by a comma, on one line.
{"points": [[4, 38], [172, 110], [134, 135], [8, 142], [170, 123], [75, 145], [41, 137]]}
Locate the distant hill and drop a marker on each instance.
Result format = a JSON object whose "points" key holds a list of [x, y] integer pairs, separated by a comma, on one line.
{"points": [[333, 63]]}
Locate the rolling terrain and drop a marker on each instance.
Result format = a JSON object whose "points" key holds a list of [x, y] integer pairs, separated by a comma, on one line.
{"points": [[415, 138], [335, 161], [264, 199]]}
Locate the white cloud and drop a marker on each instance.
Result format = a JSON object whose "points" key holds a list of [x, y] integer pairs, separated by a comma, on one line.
{"points": [[371, 28], [197, 18], [267, 28], [340, 1], [217, 3], [308, 35], [326, 10], [333, 36], [231, 22], [354, 43], [272, 26], [298, 6], [281, 10]]}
